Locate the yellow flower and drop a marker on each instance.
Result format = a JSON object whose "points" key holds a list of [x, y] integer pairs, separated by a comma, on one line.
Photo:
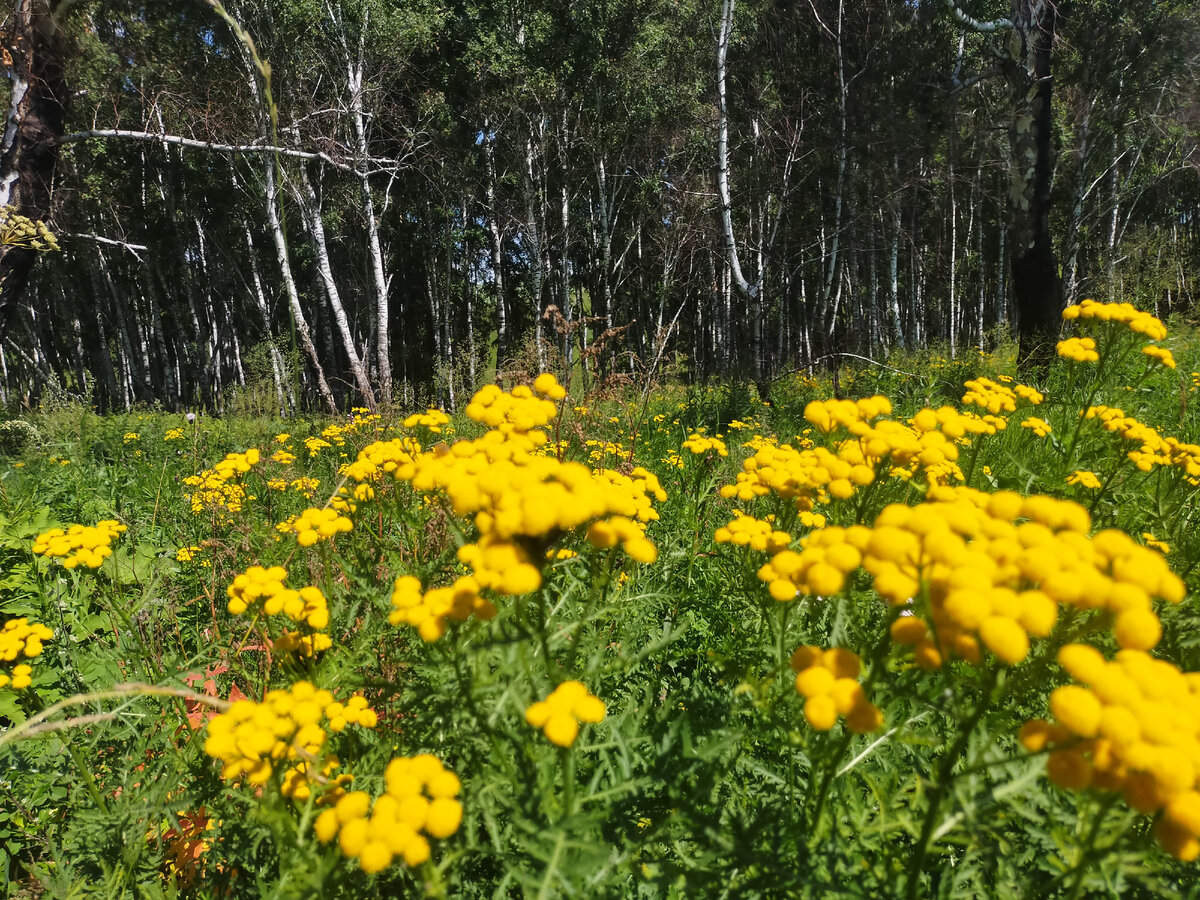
{"points": [[560, 713]]}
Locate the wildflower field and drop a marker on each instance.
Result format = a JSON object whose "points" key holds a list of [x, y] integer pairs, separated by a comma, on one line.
{"points": [[936, 640]]}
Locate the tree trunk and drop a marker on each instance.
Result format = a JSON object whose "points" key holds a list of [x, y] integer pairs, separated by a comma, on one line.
{"points": [[1036, 285], [28, 149]]}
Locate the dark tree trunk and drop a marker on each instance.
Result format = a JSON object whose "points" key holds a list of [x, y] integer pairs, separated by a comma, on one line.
{"points": [[1036, 282], [33, 61]]}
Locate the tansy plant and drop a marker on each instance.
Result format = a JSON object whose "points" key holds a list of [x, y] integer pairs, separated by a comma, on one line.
{"points": [[916, 647]]}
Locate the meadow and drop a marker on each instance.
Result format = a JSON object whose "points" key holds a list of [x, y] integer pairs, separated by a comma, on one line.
{"points": [[936, 637]]}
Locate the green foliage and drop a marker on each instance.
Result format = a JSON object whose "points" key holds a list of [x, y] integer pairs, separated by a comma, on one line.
{"points": [[704, 778]]}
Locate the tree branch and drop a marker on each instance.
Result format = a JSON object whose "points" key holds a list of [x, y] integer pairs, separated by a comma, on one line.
{"points": [[194, 144], [975, 24]]}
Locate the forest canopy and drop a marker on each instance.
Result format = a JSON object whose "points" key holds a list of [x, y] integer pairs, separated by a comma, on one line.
{"points": [[340, 203]]}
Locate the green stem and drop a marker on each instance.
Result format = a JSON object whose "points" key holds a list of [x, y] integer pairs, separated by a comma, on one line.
{"points": [[1085, 856], [566, 756], [88, 780], [944, 777]]}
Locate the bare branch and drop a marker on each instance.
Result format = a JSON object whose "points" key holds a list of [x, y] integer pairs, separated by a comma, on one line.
{"points": [[180, 141], [135, 249], [975, 24]]}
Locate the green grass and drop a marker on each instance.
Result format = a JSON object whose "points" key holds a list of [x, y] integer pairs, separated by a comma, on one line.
{"points": [[703, 779]]}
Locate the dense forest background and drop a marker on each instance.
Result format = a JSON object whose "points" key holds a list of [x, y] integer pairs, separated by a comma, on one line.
{"points": [[362, 202]]}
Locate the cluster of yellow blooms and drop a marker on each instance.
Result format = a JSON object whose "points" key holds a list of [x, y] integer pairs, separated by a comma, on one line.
{"points": [[304, 645], [698, 444], [430, 612], [1039, 427], [1160, 354], [314, 525], [1085, 479], [315, 445], [20, 640], [218, 488], [433, 419], [1154, 449], [521, 410], [828, 680], [989, 577], [394, 457], [757, 534], [362, 420], [827, 415], [173, 434], [927, 443], [419, 800], [79, 545], [820, 568], [514, 492], [1129, 725], [1080, 349], [21, 231], [1124, 313], [997, 398], [257, 584], [559, 715], [252, 738], [131, 437]]}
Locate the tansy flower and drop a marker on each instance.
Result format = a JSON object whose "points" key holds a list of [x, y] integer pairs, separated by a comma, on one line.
{"points": [[1085, 479], [559, 714], [1039, 427], [419, 802]]}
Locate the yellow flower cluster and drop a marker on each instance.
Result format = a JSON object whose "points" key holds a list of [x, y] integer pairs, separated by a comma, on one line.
{"points": [[304, 645], [1161, 354], [305, 486], [1040, 427], [827, 556], [811, 476], [131, 437], [1154, 449], [1080, 349], [547, 385], [559, 715], [419, 802], [394, 457], [828, 681], [996, 397], [314, 525], [21, 231], [828, 415], [315, 445], [1085, 479], [257, 584], [698, 444], [1129, 725], [997, 580], [20, 640], [433, 419], [519, 411], [362, 420], [757, 534], [173, 434], [600, 450], [283, 457], [251, 738], [1152, 541], [430, 611], [806, 477], [79, 545], [297, 782], [629, 533], [218, 488], [1124, 313]]}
